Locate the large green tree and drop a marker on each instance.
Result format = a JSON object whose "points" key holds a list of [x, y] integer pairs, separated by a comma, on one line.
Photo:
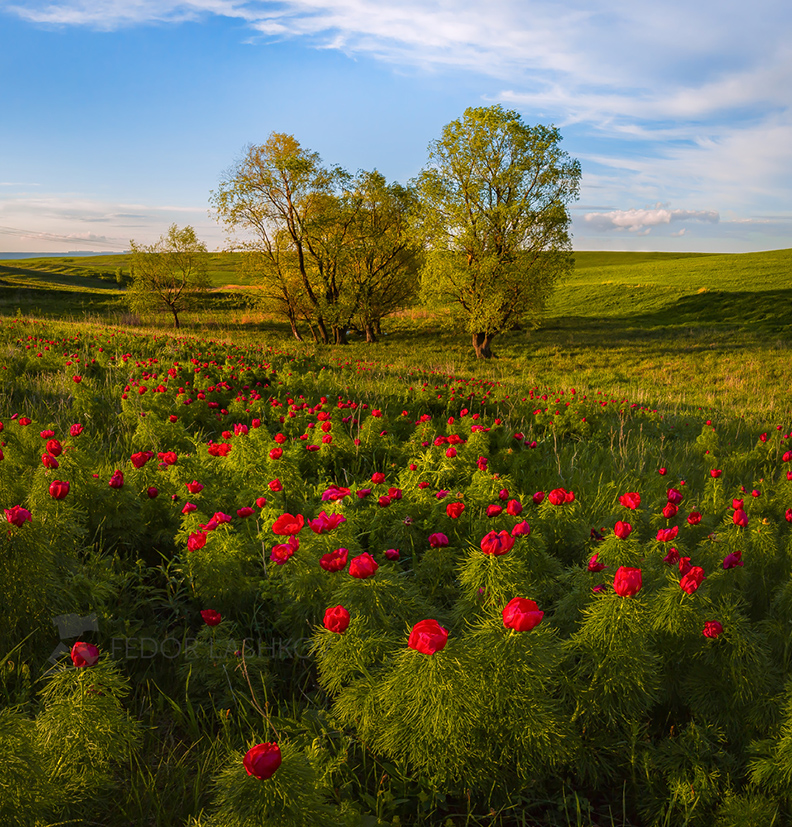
{"points": [[327, 249], [494, 199], [170, 274]]}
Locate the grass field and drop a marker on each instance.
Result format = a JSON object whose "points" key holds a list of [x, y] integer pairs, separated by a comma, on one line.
{"points": [[688, 330], [664, 375]]}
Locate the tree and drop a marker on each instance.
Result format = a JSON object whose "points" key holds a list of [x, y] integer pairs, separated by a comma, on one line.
{"points": [[170, 274], [382, 258], [494, 215], [328, 249], [276, 194]]}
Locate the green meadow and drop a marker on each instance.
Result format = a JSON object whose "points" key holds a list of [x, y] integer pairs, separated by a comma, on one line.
{"points": [[686, 330]]}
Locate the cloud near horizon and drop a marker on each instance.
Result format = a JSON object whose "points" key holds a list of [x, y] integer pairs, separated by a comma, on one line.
{"points": [[643, 220]]}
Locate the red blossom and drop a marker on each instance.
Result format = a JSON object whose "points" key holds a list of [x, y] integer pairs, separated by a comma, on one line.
{"points": [[521, 614], [438, 540], [692, 580], [334, 560], [262, 760], [428, 637], [18, 516], [363, 566], [712, 629], [622, 530], [84, 654], [497, 543], [288, 524], [627, 582], [594, 566], [631, 500], [211, 617], [454, 510], [336, 619]]}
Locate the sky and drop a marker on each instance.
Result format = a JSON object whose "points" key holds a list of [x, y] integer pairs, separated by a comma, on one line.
{"points": [[119, 117]]}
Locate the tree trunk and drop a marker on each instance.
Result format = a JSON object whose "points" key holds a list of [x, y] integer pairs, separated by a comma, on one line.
{"points": [[339, 336], [371, 335], [175, 318], [295, 332], [481, 344]]}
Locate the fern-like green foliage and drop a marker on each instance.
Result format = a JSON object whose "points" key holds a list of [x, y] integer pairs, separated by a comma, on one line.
{"points": [[25, 790], [83, 732], [292, 797]]}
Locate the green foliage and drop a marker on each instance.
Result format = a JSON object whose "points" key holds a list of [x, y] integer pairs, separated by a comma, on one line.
{"points": [[83, 733], [494, 211], [169, 274]]}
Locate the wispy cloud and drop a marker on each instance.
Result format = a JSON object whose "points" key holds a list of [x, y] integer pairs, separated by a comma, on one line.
{"points": [[50, 220]]}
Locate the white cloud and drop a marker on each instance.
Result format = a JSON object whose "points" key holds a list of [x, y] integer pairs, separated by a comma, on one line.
{"points": [[47, 222], [637, 220]]}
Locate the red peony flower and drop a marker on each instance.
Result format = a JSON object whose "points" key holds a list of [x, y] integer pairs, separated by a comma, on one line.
{"points": [[141, 458], [521, 614], [692, 580], [336, 619], [288, 524], [788, 515], [245, 511], [514, 508], [84, 654], [733, 560], [672, 557], [494, 511], [622, 530], [58, 489], [557, 496], [262, 760], [117, 479], [740, 518], [378, 477], [392, 554], [694, 518], [167, 457], [326, 522], [196, 541], [497, 543], [712, 629], [674, 496], [521, 529], [594, 566], [632, 500], [49, 461], [18, 516], [363, 566], [281, 553], [75, 429], [334, 560], [428, 637], [189, 508], [666, 535], [153, 492], [54, 447], [670, 510], [627, 582], [538, 497], [454, 510], [275, 485], [211, 617], [715, 473], [334, 493], [438, 540]]}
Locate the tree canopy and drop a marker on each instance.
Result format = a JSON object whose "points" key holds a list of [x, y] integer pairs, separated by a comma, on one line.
{"points": [[169, 274], [329, 250], [494, 215]]}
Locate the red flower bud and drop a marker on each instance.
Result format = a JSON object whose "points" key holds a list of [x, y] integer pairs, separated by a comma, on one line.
{"points": [[58, 489], [712, 629], [363, 566], [262, 760], [521, 614], [211, 617], [622, 530], [336, 619], [692, 580], [84, 654], [427, 637], [627, 582]]}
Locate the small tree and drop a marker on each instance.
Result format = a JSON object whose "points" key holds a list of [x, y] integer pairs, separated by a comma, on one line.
{"points": [[170, 274], [494, 214]]}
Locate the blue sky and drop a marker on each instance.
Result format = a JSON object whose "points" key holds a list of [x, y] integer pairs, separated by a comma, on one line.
{"points": [[119, 116]]}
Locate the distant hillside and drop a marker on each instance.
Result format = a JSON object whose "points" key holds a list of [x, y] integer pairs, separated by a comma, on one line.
{"points": [[737, 289]]}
